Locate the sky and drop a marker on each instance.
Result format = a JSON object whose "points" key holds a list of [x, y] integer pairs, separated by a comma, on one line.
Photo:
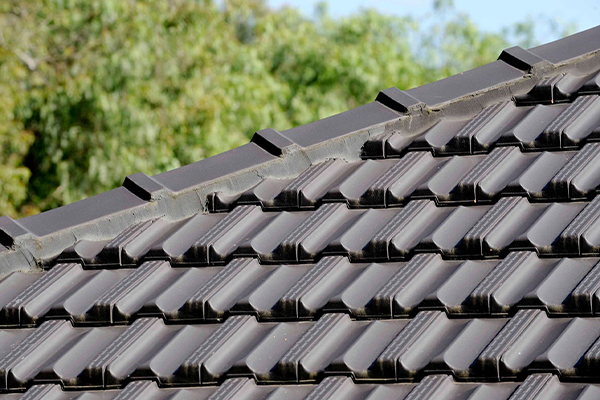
{"points": [[489, 15]]}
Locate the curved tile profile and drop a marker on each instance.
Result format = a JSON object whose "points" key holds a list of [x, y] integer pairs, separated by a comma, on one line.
{"points": [[403, 350], [463, 179], [535, 387], [244, 286], [540, 125], [486, 230]]}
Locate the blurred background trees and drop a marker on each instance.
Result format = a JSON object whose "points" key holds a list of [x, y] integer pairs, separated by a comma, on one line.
{"points": [[94, 90]]}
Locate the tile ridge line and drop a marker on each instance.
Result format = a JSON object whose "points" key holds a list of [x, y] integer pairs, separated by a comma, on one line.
{"points": [[183, 192]]}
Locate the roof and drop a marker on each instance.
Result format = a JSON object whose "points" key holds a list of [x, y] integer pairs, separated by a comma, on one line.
{"points": [[440, 242]]}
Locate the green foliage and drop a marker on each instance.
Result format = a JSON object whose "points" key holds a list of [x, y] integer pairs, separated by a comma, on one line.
{"points": [[94, 90]]}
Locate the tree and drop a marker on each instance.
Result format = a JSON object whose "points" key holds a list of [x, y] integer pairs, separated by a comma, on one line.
{"points": [[91, 91]]}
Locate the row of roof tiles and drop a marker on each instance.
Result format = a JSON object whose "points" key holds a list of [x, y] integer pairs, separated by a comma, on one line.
{"points": [[506, 171], [567, 286], [535, 387], [560, 113], [562, 70], [531, 128], [275, 352], [513, 223], [561, 88]]}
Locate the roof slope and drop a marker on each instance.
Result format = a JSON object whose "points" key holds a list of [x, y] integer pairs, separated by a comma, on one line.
{"points": [[443, 241]]}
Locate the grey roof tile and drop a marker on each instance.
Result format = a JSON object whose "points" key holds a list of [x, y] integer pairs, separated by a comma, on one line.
{"points": [[564, 286], [556, 89], [530, 128], [465, 84], [592, 86], [400, 349], [112, 202], [520, 58], [210, 169], [569, 47], [356, 120], [535, 387]]}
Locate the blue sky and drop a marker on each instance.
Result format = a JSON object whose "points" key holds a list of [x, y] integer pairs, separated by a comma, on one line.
{"points": [[489, 15]]}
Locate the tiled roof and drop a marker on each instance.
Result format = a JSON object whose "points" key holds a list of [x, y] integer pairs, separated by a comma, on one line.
{"points": [[438, 243]]}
